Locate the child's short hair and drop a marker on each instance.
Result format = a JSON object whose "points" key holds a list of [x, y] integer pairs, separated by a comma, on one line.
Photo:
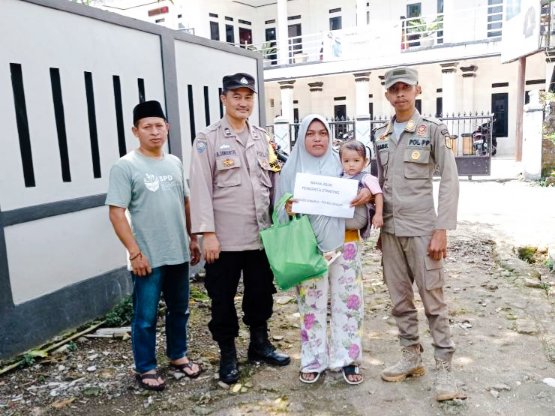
{"points": [[353, 144]]}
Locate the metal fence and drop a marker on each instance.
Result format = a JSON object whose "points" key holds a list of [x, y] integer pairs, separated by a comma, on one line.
{"points": [[472, 139]]}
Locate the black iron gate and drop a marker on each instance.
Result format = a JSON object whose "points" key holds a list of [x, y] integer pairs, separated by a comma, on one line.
{"points": [[472, 142]]}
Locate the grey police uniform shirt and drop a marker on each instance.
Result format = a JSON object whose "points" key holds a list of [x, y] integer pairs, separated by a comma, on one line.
{"points": [[154, 191], [230, 185], [405, 170]]}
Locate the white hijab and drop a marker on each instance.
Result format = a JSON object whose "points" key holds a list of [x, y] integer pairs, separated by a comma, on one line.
{"points": [[329, 231]]}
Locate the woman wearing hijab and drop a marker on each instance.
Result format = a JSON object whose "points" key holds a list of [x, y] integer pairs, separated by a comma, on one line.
{"points": [[313, 154]]}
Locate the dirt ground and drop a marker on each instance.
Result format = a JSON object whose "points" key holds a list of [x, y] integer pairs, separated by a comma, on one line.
{"points": [[502, 313]]}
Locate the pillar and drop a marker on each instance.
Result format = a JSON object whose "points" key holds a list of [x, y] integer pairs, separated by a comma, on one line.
{"points": [[316, 98], [468, 75], [449, 87], [532, 137], [362, 83], [386, 108], [282, 134], [286, 88], [282, 33]]}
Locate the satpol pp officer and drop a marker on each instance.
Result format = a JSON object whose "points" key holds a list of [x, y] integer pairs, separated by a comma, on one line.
{"points": [[410, 148]]}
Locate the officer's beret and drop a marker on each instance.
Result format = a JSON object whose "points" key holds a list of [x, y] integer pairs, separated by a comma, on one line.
{"points": [[239, 80], [148, 109], [400, 74]]}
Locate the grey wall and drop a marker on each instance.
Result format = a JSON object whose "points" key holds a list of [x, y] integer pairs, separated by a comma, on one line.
{"points": [[70, 77]]}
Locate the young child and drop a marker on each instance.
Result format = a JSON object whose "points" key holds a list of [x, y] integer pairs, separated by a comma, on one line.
{"points": [[353, 158]]}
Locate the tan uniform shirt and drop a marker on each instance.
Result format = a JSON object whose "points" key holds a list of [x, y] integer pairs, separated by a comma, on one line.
{"points": [[405, 169], [230, 185]]}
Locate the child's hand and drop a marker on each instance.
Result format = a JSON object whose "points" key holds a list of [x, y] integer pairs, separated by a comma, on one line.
{"points": [[377, 221]]}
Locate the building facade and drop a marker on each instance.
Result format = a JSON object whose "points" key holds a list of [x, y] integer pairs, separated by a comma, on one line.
{"points": [[329, 56]]}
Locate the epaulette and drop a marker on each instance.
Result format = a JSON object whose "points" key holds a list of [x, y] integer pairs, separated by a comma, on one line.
{"points": [[259, 128], [214, 126], [432, 120]]}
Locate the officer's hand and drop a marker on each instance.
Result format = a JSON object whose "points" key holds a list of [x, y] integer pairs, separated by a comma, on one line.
{"points": [[194, 249], [211, 247], [437, 249], [364, 196], [140, 266]]}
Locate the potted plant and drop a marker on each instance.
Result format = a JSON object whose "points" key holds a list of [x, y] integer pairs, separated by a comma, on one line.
{"points": [[421, 32]]}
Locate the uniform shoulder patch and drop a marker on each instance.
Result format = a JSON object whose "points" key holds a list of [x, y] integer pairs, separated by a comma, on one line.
{"points": [[259, 128]]}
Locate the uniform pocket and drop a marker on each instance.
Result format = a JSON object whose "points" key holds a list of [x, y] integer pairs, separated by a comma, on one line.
{"points": [[264, 172], [434, 273], [384, 157], [229, 172], [417, 163]]}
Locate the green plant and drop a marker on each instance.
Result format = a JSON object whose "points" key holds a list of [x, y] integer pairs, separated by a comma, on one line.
{"points": [[121, 314], [71, 346], [549, 264], [266, 49], [527, 253], [423, 27]]}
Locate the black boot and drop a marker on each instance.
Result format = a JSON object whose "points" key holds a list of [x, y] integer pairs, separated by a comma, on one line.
{"points": [[260, 348], [229, 371]]}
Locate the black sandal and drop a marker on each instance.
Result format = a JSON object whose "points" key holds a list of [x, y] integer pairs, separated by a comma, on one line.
{"points": [[150, 376], [181, 369]]}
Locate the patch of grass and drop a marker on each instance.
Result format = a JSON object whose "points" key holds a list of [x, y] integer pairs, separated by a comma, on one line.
{"points": [[527, 253], [549, 264], [198, 295], [71, 346], [121, 314]]}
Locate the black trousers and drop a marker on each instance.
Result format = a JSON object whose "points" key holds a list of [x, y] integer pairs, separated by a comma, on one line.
{"points": [[221, 282]]}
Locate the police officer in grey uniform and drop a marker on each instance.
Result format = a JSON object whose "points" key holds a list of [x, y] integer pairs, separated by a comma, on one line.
{"points": [[409, 149], [231, 174]]}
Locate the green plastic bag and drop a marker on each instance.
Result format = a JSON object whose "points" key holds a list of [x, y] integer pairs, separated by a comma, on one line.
{"points": [[292, 249]]}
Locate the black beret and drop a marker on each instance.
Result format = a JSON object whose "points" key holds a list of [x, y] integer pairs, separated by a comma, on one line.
{"points": [[147, 109], [240, 80]]}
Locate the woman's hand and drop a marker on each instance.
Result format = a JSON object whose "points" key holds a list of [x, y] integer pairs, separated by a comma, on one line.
{"points": [[364, 196], [289, 206]]}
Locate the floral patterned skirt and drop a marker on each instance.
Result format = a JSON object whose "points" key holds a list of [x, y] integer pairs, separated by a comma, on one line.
{"points": [[343, 284]]}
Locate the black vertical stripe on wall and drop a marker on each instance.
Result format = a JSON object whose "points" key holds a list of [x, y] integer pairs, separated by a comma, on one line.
{"points": [[119, 116], [220, 92], [93, 132], [191, 111], [22, 125], [60, 122], [206, 106], [141, 85]]}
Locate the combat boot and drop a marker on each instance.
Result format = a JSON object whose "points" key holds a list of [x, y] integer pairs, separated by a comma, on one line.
{"points": [[444, 385], [229, 370], [261, 349], [409, 365]]}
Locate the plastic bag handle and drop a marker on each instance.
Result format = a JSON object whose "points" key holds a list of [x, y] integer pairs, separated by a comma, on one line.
{"points": [[279, 206]]}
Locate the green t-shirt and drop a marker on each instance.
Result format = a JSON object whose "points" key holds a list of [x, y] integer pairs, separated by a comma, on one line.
{"points": [[153, 191]]}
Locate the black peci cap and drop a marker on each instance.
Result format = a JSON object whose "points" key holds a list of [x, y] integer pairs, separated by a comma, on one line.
{"points": [[239, 80], [148, 109]]}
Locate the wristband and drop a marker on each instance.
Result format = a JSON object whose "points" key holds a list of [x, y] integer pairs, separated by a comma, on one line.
{"points": [[131, 258]]}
